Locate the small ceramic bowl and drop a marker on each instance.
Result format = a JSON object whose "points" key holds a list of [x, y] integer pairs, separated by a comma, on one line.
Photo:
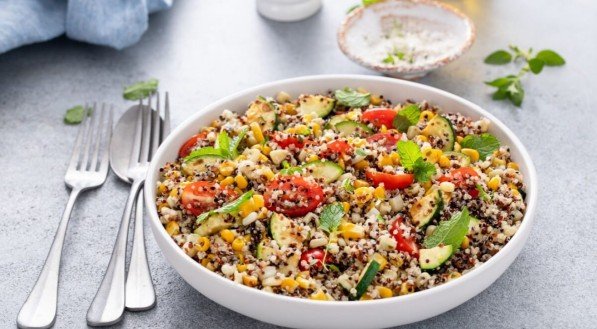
{"points": [[405, 38]]}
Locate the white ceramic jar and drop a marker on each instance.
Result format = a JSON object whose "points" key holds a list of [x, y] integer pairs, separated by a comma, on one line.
{"points": [[288, 10]]}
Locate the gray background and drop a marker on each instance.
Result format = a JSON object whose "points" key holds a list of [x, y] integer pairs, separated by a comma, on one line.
{"points": [[204, 50]]}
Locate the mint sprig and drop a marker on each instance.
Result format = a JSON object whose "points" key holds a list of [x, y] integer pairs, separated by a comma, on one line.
{"points": [[406, 117], [229, 208], [485, 144], [76, 114], [225, 147], [411, 159], [352, 98], [450, 232], [330, 217]]}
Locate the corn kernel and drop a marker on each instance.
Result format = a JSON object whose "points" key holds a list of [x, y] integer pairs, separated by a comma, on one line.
{"points": [[268, 173], [381, 260], [497, 162], [427, 115], [312, 157], [406, 288], [421, 138], [427, 185], [241, 181], [376, 99], [289, 108], [360, 183], [258, 201], [513, 165], [172, 228], [363, 195], [383, 129], [266, 149], [303, 283], [432, 155], [361, 165], [204, 262], [227, 235], [162, 189], [241, 267], [457, 147], [319, 295], [226, 168], [473, 154], [174, 193], [257, 133], [459, 139], [289, 284], [366, 297], [380, 192], [465, 243], [246, 208], [249, 280], [238, 244], [162, 205], [397, 261], [444, 161], [395, 158], [341, 164], [384, 292], [514, 189], [308, 117], [494, 183], [227, 181], [352, 231], [202, 244], [346, 206], [454, 275], [316, 130], [385, 160]]}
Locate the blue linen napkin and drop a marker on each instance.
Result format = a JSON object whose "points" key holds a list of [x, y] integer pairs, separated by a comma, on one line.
{"points": [[113, 23]]}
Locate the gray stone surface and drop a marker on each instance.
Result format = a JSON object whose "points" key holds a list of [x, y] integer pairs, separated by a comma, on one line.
{"points": [[204, 50]]}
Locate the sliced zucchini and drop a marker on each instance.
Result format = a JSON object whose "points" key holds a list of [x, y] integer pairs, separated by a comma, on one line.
{"points": [[347, 128], [264, 251], [213, 225], [441, 128], [264, 113], [200, 164], [463, 159], [283, 230], [319, 104], [433, 258], [334, 120], [328, 170], [427, 208], [367, 277]]}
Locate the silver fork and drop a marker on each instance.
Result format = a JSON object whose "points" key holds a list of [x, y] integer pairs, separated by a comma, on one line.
{"points": [[109, 303], [88, 168]]}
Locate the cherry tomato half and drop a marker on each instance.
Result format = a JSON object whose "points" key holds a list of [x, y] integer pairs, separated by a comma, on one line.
{"points": [[313, 258], [390, 181], [459, 176], [389, 139], [336, 147], [406, 244], [286, 142], [188, 146], [199, 197], [379, 117], [298, 196]]}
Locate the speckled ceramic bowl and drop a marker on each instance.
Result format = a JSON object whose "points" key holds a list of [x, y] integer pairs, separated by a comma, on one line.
{"points": [[305, 313], [425, 33]]}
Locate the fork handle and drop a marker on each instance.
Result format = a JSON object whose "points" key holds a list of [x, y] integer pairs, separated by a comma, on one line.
{"points": [[108, 305], [39, 310], [139, 294]]}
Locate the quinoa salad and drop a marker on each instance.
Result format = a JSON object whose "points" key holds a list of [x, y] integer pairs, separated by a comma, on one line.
{"points": [[341, 196]]}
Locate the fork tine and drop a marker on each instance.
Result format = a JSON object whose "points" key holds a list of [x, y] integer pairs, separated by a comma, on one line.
{"points": [[155, 131], [89, 137], [146, 140], [166, 125], [98, 139], [138, 130], [74, 160], [105, 161]]}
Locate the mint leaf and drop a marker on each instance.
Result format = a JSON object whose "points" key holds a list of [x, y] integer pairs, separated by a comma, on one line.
{"points": [[485, 144], [352, 98], [498, 57], [484, 196], [140, 90], [516, 93], [409, 153], [235, 142], [75, 115], [406, 117], [423, 170], [536, 65], [550, 58], [360, 152], [229, 208], [500, 82], [330, 217], [206, 151], [223, 141], [450, 232], [347, 185]]}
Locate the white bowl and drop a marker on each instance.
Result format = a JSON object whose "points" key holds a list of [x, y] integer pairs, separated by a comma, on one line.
{"points": [[448, 32], [295, 312]]}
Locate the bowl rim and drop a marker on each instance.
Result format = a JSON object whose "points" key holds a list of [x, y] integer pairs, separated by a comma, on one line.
{"points": [[357, 13], [519, 237]]}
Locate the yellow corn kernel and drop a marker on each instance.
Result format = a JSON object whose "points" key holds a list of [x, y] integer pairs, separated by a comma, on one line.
{"points": [[383, 129], [204, 262], [363, 195], [346, 206], [238, 244], [227, 235], [268, 173], [172, 228], [266, 149], [459, 139], [289, 108], [465, 243], [457, 147], [316, 130], [454, 275], [366, 297], [352, 231], [427, 185], [397, 261], [444, 161], [385, 160], [246, 208], [361, 165], [202, 244], [360, 183], [497, 162], [319, 295], [494, 183], [406, 289], [376, 99], [395, 158], [289, 284], [380, 192], [162, 205], [384, 292], [249, 280], [341, 164], [241, 181], [514, 189], [421, 138], [381, 260], [432, 155], [258, 201], [473, 154], [308, 117], [241, 267], [513, 165], [312, 157], [257, 133], [303, 283], [227, 181], [226, 168], [427, 115], [174, 193], [162, 189]]}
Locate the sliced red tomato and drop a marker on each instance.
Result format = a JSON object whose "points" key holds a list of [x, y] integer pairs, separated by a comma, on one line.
{"points": [[406, 244], [292, 196], [389, 139], [201, 196], [379, 117], [390, 181], [313, 258], [337, 147], [188, 146], [286, 142], [459, 176]]}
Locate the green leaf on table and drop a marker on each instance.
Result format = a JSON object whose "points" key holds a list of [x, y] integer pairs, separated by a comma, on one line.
{"points": [[536, 65], [140, 90], [229, 208], [516, 93], [75, 115], [550, 58], [352, 98], [450, 232], [409, 153], [498, 57], [206, 151], [406, 117], [331, 216], [423, 170], [500, 82], [485, 144]]}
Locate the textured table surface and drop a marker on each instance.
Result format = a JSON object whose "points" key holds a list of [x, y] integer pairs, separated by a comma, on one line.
{"points": [[204, 50]]}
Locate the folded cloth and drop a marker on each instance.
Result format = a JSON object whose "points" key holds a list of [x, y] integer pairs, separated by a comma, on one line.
{"points": [[113, 23]]}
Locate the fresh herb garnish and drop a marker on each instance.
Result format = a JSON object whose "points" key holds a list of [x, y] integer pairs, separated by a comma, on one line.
{"points": [[140, 90], [423, 170], [225, 147], [412, 159], [485, 144], [389, 59], [510, 86], [450, 232], [75, 115], [352, 98], [406, 117], [347, 185], [330, 217], [360, 152], [482, 194], [380, 218], [229, 208]]}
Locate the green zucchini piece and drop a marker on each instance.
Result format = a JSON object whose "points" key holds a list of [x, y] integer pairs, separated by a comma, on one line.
{"points": [[347, 128], [441, 128], [282, 230], [427, 208], [264, 251], [328, 170], [213, 225], [334, 120], [367, 277], [264, 113], [430, 259], [463, 159], [319, 104]]}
